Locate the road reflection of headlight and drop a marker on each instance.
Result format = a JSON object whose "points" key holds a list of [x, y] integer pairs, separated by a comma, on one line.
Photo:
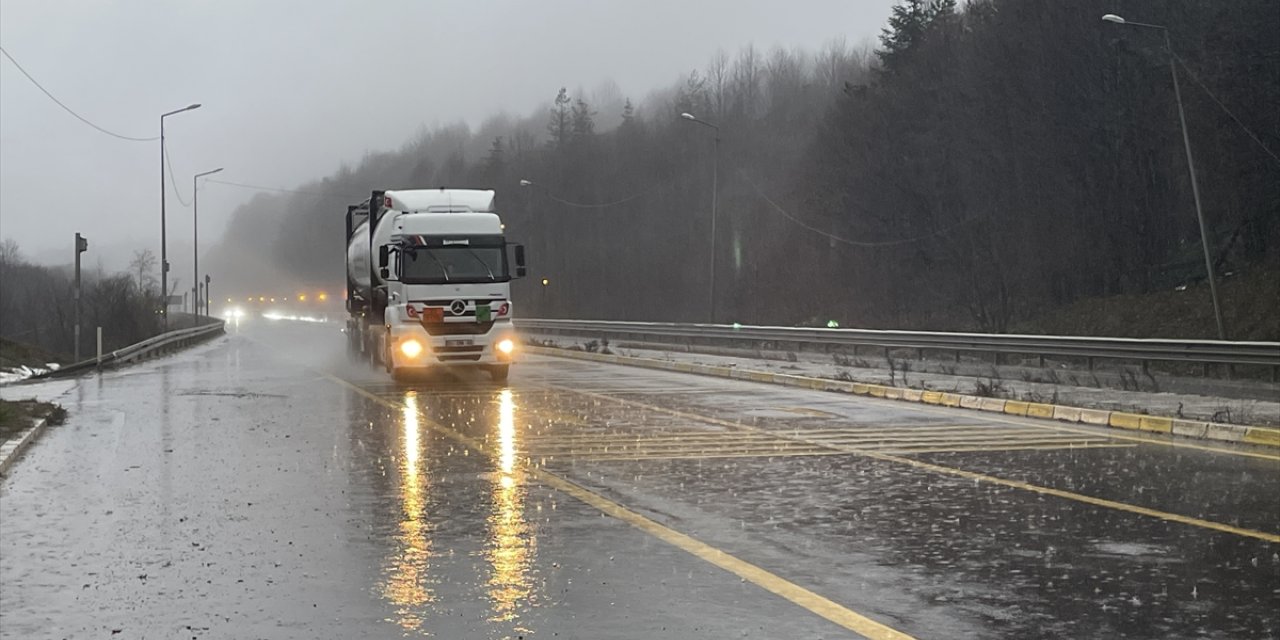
{"points": [[506, 345], [411, 348]]}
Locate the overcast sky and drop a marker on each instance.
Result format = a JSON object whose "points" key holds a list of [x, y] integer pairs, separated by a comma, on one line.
{"points": [[293, 89]]}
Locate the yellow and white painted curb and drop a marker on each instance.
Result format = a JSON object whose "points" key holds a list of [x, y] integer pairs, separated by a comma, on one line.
{"points": [[1260, 436]]}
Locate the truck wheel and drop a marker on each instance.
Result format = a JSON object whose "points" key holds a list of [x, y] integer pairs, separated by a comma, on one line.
{"points": [[500, 372]]}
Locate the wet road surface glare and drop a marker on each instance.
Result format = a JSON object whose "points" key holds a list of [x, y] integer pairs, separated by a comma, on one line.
{"points": [[261, 486]]}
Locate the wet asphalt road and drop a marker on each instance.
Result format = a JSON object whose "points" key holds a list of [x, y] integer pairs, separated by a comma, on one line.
{"points": [[262, 487]]}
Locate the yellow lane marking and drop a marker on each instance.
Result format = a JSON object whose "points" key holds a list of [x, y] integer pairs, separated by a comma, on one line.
{"points": [[833, 452], [972, 475], [1046, 447], [811, 412], [876, 428], [1119, 435], [668, 433], [773, 583], [994, 417], [792, 443], [714, 455]]}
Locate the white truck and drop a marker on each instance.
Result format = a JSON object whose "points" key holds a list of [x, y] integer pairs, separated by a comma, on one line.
{"points": [[430, 286]]}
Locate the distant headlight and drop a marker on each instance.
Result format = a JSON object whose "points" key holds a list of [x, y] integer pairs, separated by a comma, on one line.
{"points": [[506, 345], [411, 348]]}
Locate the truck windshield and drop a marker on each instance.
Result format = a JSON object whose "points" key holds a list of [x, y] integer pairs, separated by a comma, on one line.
{"points": [[453, 264]]}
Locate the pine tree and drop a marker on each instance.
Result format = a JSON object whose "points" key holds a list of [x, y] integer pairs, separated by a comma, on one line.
{"points": [[559, 124], [628, 113], [908, 26], [584, 124]]}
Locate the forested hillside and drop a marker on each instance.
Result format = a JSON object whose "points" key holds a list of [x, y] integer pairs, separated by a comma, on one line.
{"points": [[980, 164]]}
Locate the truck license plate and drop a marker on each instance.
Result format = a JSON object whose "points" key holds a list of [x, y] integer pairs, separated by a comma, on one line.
{"points": [[458, 343]]}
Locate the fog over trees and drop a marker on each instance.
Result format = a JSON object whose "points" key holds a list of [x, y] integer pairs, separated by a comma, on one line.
{"points": [[979, 163]]}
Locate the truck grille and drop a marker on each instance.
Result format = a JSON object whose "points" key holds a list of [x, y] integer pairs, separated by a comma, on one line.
{"points": [[457, 328], [457, 358]]}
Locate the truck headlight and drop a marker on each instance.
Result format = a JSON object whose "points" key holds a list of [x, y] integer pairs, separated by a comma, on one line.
{"points": [[411, 348], [506, 345]]}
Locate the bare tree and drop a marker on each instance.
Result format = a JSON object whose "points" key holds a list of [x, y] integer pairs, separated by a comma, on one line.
{"points": [[142, 264]]}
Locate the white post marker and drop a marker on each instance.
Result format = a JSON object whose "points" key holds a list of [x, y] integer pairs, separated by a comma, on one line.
{"points": [[99, 347]]}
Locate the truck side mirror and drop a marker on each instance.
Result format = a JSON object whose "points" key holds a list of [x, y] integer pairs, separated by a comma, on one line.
{"points": [[520, 268], [385, 273], [383, 257]]}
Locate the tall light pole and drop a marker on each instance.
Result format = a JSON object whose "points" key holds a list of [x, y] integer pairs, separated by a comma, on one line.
{"points": [[1191, 165], [195, 232], [715, 193], [164, 249]]}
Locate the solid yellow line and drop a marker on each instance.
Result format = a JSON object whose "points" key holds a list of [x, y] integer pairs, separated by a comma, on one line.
{"points": [[715, 455], [972, 475], [815, 603], [709, 453], [977, 438], [799, 595], [1101, 502], [659, 436], [833, 452], [1034, 447]]}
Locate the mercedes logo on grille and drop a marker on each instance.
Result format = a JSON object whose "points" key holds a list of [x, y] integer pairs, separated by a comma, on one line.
{"points": [[458, 307]]}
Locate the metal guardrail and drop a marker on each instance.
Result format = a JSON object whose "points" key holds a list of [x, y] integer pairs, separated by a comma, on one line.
{"points": [[148, 347], [1134, 349]]}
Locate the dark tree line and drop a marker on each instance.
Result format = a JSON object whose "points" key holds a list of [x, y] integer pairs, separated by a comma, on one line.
{"points": [[982, 163], [37, 304]]}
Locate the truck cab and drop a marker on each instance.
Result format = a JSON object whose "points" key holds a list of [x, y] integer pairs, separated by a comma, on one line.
{"points": [[440, 294]]}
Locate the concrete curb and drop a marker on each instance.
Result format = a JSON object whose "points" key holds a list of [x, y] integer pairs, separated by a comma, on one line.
{"points": [[15, 446], [1259, 436]]}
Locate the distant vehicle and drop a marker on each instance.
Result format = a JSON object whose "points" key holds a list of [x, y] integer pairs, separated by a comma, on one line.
{"points": [[439, 293]]}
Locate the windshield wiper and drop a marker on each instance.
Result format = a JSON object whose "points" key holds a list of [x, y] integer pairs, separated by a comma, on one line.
{"points": [[482, 263], [443, 271]]}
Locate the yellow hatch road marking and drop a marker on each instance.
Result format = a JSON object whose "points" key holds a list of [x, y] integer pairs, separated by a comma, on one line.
{"points": [[815, 603], [1119, 435], [972, 475], [989, 416]]}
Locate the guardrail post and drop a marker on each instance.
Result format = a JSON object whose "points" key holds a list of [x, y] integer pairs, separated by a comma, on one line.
{"points": [[99, 347], [1040, 360]]}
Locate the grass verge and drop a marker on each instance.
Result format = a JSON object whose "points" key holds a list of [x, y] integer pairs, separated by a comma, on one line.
{"points": [[17, 416]]}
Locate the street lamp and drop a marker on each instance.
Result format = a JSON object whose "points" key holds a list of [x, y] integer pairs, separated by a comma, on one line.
{"points": [[715, 191], [1191, 165], [195, 233], [164, 251]]}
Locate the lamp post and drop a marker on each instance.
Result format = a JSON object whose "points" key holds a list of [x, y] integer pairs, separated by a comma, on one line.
{"points": [[715, 192], [164, 251], [195, 232], [1191, 165]]}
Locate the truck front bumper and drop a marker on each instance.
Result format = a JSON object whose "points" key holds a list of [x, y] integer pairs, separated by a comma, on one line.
{"points": [[410, 346]]}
